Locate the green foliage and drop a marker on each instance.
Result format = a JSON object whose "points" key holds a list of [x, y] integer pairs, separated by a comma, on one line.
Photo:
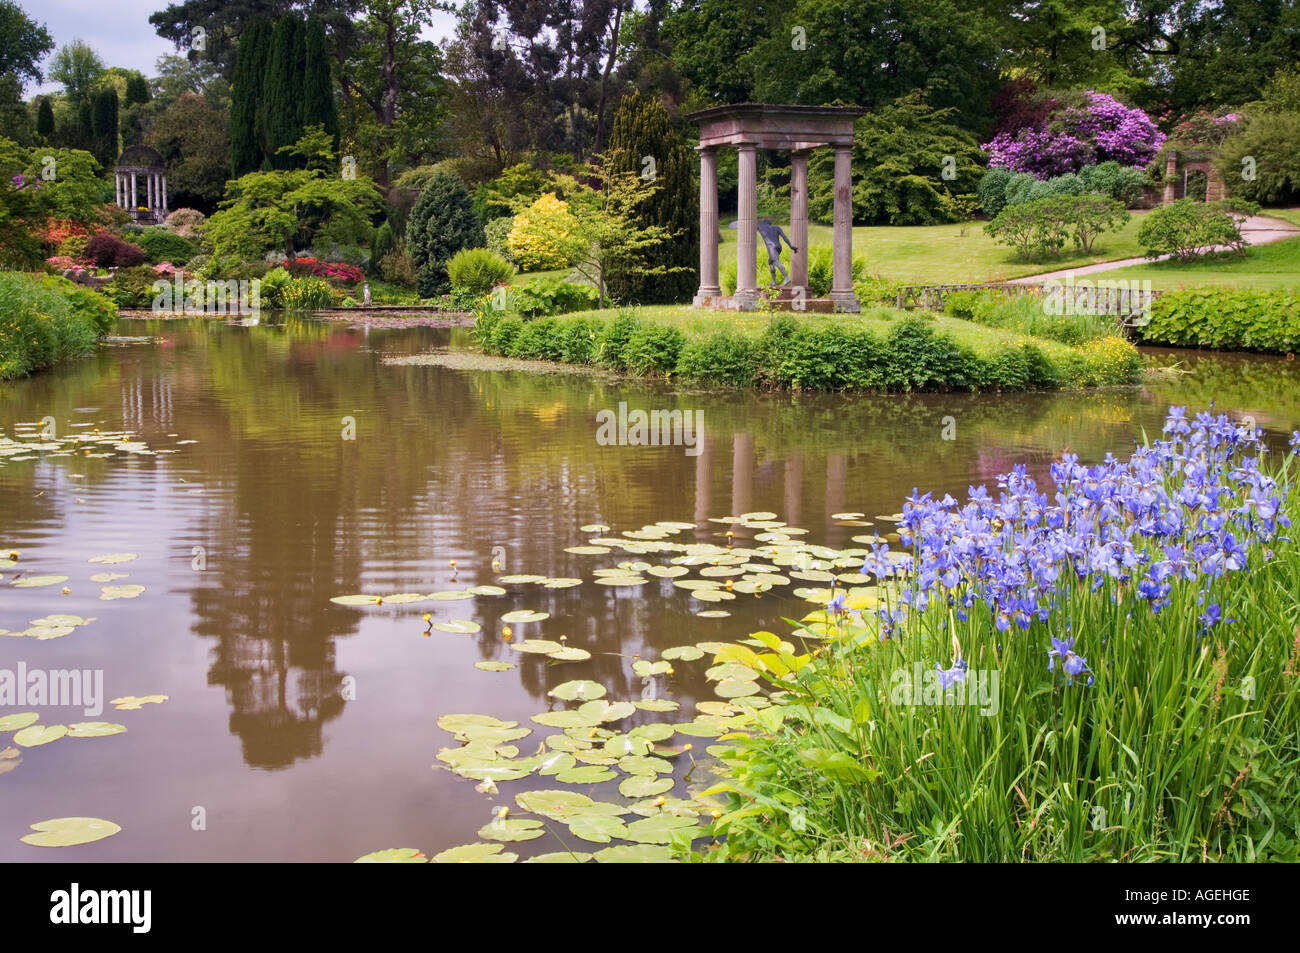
{"points": [[397, 268], [76, 192], [1226, 319], [551, 296], [161, 245], [1271, 140], [643, 143], [282, 91], [1122, 183], [900, 157], [246, 147], [476, 271], [103, 125], [1186, 229], [283, 210], [385, 241], [493, 200], [45, 120], [442, 222], [44, 320], [306, 293], [1027, 314], [1001, 187], [23, 43], [538, 232], [316, 105], [804, 354], [1040, 227], [132, 287], [498, 236]]}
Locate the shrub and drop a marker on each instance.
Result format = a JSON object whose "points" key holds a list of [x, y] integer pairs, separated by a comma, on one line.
{"points": [[1272, 142], [492, 199], [992, 190], [385, 241], [186, 222], [161, 245], [535, 235], [722, 358], [653, 348], [132, 287], [476, 271], [45, 319], [1040, 227], [1122, 183], [1226, 319], [331, 271], [1186, 229], [397, 268], [106, 250], [553, 296], [498, 237], [442, 222]]}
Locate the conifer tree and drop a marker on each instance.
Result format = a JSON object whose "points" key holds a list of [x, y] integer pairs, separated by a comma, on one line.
{"points": [[281, 113], [45, 121], [246, 150], [103, 126], [317, 89], [644, 142]]}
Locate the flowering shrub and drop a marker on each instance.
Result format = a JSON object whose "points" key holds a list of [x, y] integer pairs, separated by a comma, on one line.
{"points": [[329, 270], [536, 238], [1103, 130], [1105, 668], [1205, 128]]}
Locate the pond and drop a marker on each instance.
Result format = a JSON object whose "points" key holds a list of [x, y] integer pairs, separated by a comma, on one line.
{"points": [[273, 468]]}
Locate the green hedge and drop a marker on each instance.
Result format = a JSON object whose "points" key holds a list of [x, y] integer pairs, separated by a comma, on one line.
{"points": [[908, 355], [1227, 319], [45, 319]]}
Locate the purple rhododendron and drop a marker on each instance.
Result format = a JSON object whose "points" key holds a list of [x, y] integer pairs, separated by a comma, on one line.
{"points": [[1104, 130]]}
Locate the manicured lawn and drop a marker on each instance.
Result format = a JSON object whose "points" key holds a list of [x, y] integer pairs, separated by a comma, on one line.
{"points": [[1276, 265], [1291, 215]]}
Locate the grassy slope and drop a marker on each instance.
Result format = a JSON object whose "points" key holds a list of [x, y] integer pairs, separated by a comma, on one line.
{"points": [[1276, 265]]}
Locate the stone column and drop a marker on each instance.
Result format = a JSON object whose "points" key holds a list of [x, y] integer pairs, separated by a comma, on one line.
{"points": [[842, 296], [133, 198], [709, 287], [799, 219], [149, 190], [164, 194], [1171, 170], [746, 297], [117, 189]]}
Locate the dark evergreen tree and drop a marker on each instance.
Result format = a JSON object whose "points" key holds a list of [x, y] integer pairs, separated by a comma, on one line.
{"points": [[442, 222], [246, 150], [643, 141], [317, 100], [137, 91], [103, 126], [282, 91], [45, 121]]}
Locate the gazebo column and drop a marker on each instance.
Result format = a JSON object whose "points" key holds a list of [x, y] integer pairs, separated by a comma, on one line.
{"points": [[746, 296], [799, 219], [117, 189], [842, 296], [134, 204], [164, 194], [709, 287]]}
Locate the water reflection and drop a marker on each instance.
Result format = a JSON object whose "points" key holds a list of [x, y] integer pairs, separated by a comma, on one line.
{"points": [[445, 465]]}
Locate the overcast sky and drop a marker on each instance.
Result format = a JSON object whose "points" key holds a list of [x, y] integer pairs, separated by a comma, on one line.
{"points": [[119, 30]]}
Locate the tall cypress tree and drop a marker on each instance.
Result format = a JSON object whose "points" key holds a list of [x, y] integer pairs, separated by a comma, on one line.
{"points": [[103, 126], [246, 152], [317, 86], [281, 115], [45, 121], [642, 130]]}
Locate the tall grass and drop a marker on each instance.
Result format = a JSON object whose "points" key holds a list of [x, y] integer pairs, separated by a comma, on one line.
{"points": [[45, 319], [1166, 727]]}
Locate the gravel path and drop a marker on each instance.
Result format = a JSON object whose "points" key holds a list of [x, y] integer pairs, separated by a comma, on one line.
{"points": [[1258, 230]]}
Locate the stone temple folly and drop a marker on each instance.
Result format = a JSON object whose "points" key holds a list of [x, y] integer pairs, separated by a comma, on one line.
{"points": [[798, 130], [140, 181]]}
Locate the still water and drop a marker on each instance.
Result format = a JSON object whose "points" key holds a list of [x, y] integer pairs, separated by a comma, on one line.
{"points": [[304, 467]]}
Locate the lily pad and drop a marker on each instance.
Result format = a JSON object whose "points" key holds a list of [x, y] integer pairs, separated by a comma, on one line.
{"points": [[564, 719], [476, 854], [556, 762], [594, 528], [458, 723], [657, 704], [714, 614], [112, 559], [519, 579], [486, 591], [494, 666], [94, 729], [46, 632], [524, 615], [394, 855], [39, 735], [687, 653], [604, 711], [108, 593], [561, 805], [18, 721], [108, 576], [537, 646], [569, 654], [561, 582], [357, 600], [512, 829], [645, 785], [645, 668], [69, 831], [655, 731], [402, 598], [560, 857], [586, 550], [580, 690], [458, 626], [60, 619], [658, 829], [599, 829], [735, 688], [35, 582], [133, 702], [635, 854], [450, 595], [586, 774]]}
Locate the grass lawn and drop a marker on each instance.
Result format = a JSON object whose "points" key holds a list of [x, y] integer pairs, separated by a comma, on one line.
{"points": [[1264, 267]]}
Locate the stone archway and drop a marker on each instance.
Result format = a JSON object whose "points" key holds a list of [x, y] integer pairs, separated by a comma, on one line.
{"points": [[1178, 169], [798, 130]]}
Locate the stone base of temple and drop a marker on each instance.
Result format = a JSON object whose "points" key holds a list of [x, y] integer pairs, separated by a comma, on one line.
{"points": [[788, 299]]}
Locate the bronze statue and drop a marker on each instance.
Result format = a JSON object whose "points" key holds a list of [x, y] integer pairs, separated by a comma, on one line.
{"points": [[772, 235]]}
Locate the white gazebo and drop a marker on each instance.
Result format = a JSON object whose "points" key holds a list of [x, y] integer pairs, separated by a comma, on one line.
{"points": [[796, 129], [141, 184]]}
